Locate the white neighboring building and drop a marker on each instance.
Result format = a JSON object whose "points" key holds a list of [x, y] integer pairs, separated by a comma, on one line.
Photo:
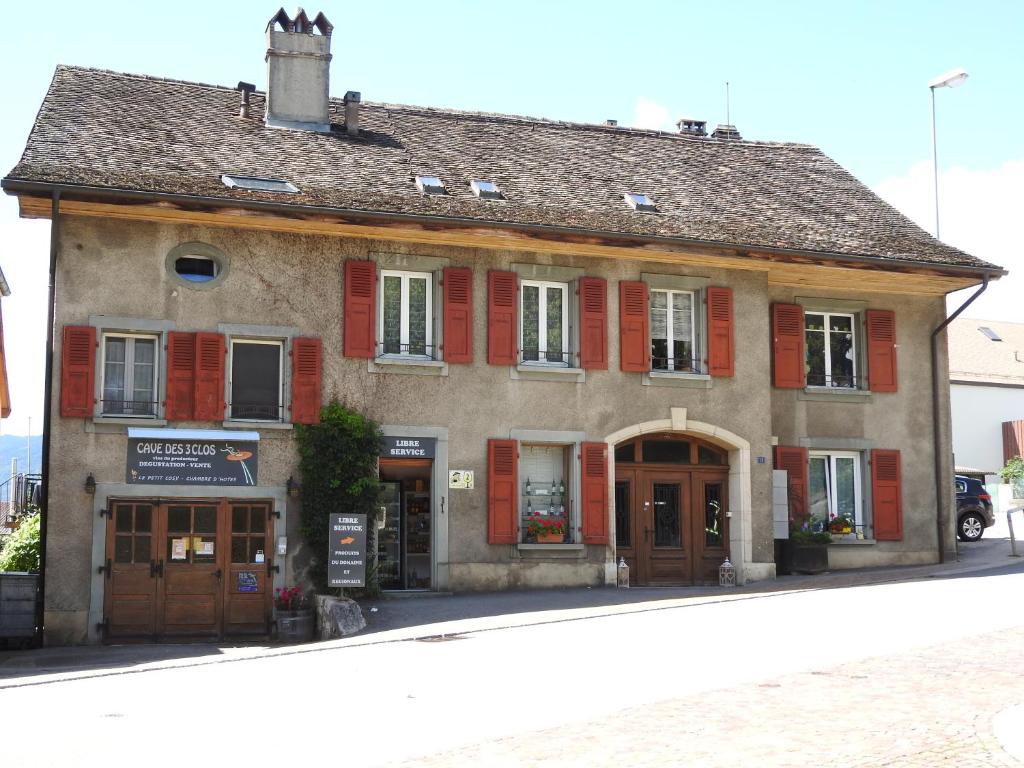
{"points": [[986, 376]]}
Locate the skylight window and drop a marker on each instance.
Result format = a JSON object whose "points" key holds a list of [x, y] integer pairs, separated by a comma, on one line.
{"points": [[990, 333], [430, 185], [258, 184], [486, 190], [639, 202]]}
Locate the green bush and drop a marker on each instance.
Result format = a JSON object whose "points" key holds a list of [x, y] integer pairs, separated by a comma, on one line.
{"points": [[21, 549], [338, 462]]}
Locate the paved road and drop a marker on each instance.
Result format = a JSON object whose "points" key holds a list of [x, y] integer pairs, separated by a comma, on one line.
{"points": [[917, 673]]}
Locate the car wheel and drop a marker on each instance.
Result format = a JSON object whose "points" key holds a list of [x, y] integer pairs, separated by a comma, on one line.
{"points": [[971, 527]]}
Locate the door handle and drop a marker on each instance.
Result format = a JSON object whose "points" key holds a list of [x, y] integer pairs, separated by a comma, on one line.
{"points": [[646, 532], [218, 573], [152, 569]]}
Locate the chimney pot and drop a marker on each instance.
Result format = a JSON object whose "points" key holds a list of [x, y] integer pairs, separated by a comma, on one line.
{"points": [[298, 72], [726, 132], [246, 89], [352, 100], [688, 126]]}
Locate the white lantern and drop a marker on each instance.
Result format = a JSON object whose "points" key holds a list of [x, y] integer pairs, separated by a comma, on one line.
{"points": [[622, 574], [727, 574]]}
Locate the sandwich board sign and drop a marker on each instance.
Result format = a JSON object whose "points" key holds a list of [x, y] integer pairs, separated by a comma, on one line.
{"points": [[346, 556]]}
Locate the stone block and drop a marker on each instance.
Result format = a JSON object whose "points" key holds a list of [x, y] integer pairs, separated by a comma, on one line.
{"points": [[337, 617]]}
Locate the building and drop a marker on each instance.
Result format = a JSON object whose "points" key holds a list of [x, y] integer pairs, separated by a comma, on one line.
{"points": [[619, 331], [986, 377]]}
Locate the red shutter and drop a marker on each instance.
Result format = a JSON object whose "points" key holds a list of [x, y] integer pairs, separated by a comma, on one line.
{"points": [[502, 492], [794, 461], [181, 376], [881, 350], [593, 323], [594, 503], [209, 397], [788, 345], [720, 333], [307, 371], [78, 371], [887, 495], [634, 338], [501, 318], [360, 311], [458, 315], [1013, 439]]}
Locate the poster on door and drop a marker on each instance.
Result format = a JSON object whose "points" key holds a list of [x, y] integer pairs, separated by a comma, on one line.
{"points": [[172, 461], [346, 558]]}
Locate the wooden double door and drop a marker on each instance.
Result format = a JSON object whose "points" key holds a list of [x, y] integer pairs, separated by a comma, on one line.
{"points": [[188, 569], [670, 525]]}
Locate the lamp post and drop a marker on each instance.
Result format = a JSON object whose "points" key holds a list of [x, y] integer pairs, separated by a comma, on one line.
{"points": [[951, 79]]}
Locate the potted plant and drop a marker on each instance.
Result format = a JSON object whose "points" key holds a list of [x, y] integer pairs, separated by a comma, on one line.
{"points": [[546, 529], [294, 615], [841, 525], [1013, 475], [805, 551]]}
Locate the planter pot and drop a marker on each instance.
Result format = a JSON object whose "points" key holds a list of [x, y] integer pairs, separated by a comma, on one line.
{"points": [[295, 626], [550, 538], [801, 558]]}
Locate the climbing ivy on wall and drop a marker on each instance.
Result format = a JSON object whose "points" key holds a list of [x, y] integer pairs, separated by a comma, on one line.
{"points": [[338, 462]]}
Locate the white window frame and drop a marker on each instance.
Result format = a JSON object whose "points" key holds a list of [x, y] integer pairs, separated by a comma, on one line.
{"points": [[403, 333], [695, 361], [830, 487], [854, 330], [279, 343], [542, 323], [129, 372], [566, 498]]}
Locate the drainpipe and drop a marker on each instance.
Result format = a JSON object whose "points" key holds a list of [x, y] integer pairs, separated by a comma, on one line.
{"points": [[44, 485], [940, 488]]}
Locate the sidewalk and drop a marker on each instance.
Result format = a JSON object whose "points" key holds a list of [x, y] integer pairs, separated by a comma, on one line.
{"points": [[433, 617]]}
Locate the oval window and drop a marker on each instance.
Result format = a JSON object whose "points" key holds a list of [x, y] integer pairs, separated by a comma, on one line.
{"points": [[198, 265], [198, 269]]}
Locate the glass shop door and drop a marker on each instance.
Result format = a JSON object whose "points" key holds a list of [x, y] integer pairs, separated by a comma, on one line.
{"points": [[405, 530]]}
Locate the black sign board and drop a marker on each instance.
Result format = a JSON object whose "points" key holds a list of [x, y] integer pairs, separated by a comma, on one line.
{"points": [[346, 557], [409, 447], [174, 461]]}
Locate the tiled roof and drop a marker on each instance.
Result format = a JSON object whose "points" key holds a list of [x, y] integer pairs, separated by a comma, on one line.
{"points": [[976, 358], [119, 131]]}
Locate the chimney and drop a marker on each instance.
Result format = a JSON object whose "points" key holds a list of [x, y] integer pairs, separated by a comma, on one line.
{"points": [[246, 89], [611, 122], [298, 72], [726, 132], [690, 127], [351, 101]]}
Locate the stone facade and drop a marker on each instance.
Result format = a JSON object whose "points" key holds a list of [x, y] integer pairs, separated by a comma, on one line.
{"points": [[113, 269]]}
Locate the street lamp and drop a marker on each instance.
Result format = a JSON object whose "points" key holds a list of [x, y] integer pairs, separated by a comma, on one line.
{"points": [[951, 79]]}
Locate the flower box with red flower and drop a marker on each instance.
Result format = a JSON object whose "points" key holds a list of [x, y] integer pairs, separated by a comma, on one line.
{"points": [[546, 529]]}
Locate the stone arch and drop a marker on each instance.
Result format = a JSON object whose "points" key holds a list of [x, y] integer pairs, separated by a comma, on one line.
{"points": [[741, 541]]}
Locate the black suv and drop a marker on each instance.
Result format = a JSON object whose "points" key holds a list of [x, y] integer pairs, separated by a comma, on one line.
{"points": [[973, 508]]}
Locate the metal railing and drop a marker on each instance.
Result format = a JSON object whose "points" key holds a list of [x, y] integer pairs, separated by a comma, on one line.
{"points": [[547, 357], [413, 350], [19, 495], [255, 411], [836, 382], [128, 407], [676, 364]]}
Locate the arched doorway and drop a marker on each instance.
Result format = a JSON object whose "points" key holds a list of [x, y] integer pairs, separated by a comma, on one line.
{"points": [[671, 502]]}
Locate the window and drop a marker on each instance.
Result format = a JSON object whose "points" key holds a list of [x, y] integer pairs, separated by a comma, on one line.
{"points": [[640, 202], [258, 184], [835, 489], [197, 269], [545, 322], [831, 349], [406, 314], [486, 190], [544, 506], [255, 380], [430, 185], [129, 375], [673, 331]]}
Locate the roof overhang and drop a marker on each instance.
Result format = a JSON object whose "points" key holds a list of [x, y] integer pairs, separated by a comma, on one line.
{"points": [[785, 266]]}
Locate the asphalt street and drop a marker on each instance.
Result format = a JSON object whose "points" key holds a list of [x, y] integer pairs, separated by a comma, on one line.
{"points": [[912, 671]]}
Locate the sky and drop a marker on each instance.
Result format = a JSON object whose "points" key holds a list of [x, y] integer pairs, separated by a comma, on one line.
{"points": [[848, 77]]}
